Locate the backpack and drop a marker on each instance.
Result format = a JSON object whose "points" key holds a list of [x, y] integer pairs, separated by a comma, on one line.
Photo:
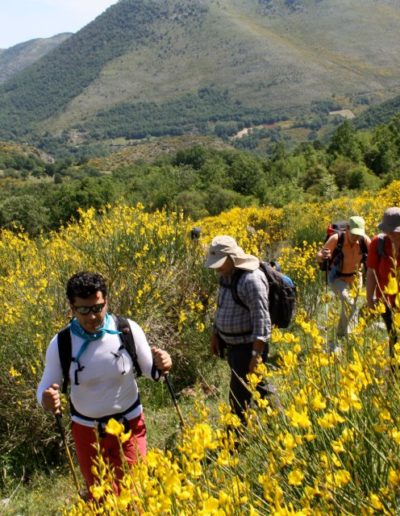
{"points": [[65, 348], [337, 254], [380, 248], [281, 295], [339, 227]]}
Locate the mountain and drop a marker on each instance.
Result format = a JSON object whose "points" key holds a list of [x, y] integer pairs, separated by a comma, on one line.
{"points": [[156, 67], [18, 57]]}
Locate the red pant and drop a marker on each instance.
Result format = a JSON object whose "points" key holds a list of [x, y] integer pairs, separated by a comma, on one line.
{"points": [[134, 448]]}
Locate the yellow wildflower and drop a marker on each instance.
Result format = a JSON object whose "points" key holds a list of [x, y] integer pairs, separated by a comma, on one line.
{"points": [[14, 373], [295, 477], [392, 286], [113, 427]]}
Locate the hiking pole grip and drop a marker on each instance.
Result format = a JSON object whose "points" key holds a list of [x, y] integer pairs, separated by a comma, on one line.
{"points": [[60, 426], [175, 401]]}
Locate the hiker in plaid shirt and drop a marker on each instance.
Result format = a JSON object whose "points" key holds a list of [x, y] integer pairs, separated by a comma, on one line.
{"points": [[243, 331]]}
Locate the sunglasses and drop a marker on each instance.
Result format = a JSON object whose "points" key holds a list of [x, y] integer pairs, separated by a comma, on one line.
{"points": [[85, 310]]}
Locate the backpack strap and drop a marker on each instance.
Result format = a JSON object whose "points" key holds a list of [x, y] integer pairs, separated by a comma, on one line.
{"points": [[65, 348], [337, 254], [65, 354], [364, 250], [233, 286], [127, 340], [340, 242], [380, 249]]}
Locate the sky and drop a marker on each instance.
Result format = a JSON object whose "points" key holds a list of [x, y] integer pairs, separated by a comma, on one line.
{"points": [[22, 20]]}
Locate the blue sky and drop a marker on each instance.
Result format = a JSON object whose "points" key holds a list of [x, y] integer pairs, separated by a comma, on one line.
{"points": [[21, 20]]}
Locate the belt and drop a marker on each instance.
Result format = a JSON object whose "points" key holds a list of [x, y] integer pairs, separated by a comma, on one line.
{"points": [[105, 419], [242, 334]]}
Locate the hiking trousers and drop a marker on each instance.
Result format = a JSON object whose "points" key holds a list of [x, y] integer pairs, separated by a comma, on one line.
{"points": [[348, 306], [133, 449], [239, 357], [391, 329]]}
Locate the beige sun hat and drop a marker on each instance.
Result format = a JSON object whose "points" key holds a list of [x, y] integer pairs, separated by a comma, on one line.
{"points": [[223, 246]]}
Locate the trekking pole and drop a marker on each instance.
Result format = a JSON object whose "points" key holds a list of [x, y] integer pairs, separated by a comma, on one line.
{"points": [[326, 304], [173, 396], [61, 430]]}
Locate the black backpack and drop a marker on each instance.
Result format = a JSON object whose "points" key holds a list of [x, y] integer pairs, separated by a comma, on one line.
{"points": [[337, 254], [65, 348], [281, 295], [337, 227]]}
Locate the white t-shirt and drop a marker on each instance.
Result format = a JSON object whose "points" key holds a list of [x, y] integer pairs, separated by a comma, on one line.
{"points": [[106, 384]]}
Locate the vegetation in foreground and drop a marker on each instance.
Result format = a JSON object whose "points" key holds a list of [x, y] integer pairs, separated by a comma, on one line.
{"points": [[335, 447]]}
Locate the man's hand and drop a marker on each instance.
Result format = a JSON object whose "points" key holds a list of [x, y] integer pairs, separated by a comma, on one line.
{"points": [[162, 359], [326, 254], [51, 399], [254, 363], [214, 345]]}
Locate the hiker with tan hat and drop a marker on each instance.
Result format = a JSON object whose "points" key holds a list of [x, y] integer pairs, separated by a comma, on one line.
{"points": [[383, 262], [345, 252], [243, 329]]}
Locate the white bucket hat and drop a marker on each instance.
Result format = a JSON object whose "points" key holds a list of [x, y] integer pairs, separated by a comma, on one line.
{"points": [[223, 246], [357, 226]]}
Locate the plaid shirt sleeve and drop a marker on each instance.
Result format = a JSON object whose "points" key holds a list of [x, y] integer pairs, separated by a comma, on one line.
{"points": [[253, 290]]}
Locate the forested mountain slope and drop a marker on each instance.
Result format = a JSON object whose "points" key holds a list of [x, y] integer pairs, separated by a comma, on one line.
{"points": [[18, 57], [172, 66]]}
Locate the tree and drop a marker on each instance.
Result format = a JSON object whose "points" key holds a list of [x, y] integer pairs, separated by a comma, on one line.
{"points": [[26, 211], [344, 142], [246, 174], [86, 193]]}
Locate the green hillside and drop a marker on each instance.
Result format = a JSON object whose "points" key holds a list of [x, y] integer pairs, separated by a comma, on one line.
{"points": [[380, 114], [167, 67], [18, 57]]}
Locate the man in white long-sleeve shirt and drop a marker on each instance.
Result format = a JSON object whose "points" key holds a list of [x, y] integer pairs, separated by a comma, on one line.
{"points": [[101, 375]]}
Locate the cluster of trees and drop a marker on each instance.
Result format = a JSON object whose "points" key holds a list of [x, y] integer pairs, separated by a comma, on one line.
{"points": [[376, 115], [12, 163], [202, 181], [199, 112]]}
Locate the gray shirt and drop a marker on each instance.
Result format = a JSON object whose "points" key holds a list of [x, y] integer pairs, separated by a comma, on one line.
{"points": [[236, 324]]}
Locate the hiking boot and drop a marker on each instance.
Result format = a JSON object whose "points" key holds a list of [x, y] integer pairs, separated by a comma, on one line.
{"points": [[333, 348]]}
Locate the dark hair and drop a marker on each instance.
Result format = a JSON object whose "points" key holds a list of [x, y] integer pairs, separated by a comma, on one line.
{"points": [[84, 285]]}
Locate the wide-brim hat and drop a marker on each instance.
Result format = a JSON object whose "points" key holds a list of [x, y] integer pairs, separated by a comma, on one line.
{"points": [[357, 225], [390, 220], [223, 246]]}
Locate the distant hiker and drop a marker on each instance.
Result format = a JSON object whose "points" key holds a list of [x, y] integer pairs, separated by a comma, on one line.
{"points": [[383, 261], [242, 330], [100, 361], [195, 233], [275, 265], [343, 253]]}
